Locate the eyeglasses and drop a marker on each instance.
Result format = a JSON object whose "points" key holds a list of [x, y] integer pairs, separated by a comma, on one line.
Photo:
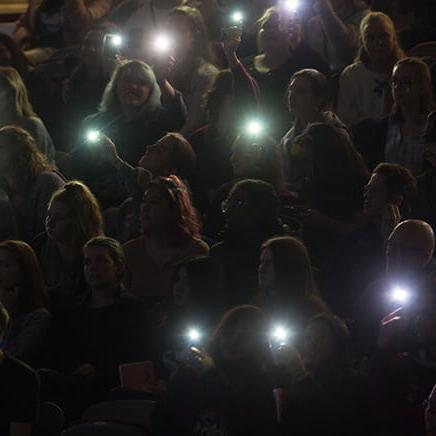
{"points": [[228, 204]]}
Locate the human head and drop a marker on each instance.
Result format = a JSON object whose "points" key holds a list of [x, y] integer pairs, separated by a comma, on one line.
{"points": [[73, 216], [389, 184], [21, 158], [240, 336], [412, 86], [258, 157], [92, 48], [378, 40], [104, 262], [188, 28], [197, 283], [326, 345], [22, 288], [409, 249], [270, 36], [11, 55], [166, 207], [430, 139], [14, 99], [285, 270], [330, 154], [252, 208], [132, 85], [308, 94], [172, 154]]}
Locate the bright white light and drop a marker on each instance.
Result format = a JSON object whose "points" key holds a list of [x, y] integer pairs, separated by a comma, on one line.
{"points": [[280, 335], [292, 5], [116, 40], [194, 335], [254, 128], [93, 136], [237, 17], [400, 295], [162, 43]]}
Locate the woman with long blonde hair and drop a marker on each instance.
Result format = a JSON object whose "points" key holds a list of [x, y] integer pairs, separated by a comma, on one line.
{"points": [[28, 180], [364, 86], [73, 218], [16, 109]]}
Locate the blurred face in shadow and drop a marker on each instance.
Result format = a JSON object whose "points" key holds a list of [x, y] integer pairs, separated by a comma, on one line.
{"points": [[92, 48], [156, 210], [5, 56], [100, 269], [59, 222]]}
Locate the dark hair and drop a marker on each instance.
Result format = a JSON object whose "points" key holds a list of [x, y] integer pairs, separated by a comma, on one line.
{"points": [[32, 293], [318, 82], [184, 158], [18, 60], [263, 195], [187, 223], [422, 76], [205, 277], [245, 314], [198, 28], [399, 179], [270, 165], [341, 335]]}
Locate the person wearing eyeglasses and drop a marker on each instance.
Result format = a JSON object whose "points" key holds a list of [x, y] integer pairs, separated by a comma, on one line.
{"points": [[400, 137]]}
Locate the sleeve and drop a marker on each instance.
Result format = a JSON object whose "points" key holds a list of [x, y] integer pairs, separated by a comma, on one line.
{"points": [[347, 106], [85, 12], [31, 337], [197, 108]]}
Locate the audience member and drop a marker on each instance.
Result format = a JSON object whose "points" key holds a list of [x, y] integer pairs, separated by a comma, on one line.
{"points": [[194, 73], [251, 213], [23, 294], [308, 102], [28, 179], [364, 90], [73, 218], [19, 391], [17, 110], [399, 138], [282, 53], [227, 388], [334, 30], [170, 235]]}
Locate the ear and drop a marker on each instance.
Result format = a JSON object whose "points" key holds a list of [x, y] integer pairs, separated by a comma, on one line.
{"points": [[397, 200]]}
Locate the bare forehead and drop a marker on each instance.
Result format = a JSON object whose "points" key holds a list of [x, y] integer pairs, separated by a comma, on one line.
{"points": [[378, 24], [133, 72]]}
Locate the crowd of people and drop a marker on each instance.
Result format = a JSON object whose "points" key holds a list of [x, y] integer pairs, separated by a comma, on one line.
{"points": [[237, 197]]}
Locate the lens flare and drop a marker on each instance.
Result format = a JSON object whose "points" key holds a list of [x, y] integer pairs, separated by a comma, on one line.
{"points": [[237, 17], [254, 128], [116, 40], [400, 295], [93, 136], [194, 335], [162, 43]]}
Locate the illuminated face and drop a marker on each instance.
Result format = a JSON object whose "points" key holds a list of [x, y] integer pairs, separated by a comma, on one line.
{"points": [[271, 38], [378, 39], [302, 101], [158, 157], [375, 195], [405, 90], [100, 269], [132, 89]]}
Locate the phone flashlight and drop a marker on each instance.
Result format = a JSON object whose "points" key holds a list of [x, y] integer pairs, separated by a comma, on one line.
{"points": [[93, 136], [162, 43], [116, 40], [237, 17], [280, 335], [254, 128], [291, 5], [193, 335], [400, 295]]}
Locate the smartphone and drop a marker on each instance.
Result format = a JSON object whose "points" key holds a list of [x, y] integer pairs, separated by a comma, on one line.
{"points": [[112, 45]]}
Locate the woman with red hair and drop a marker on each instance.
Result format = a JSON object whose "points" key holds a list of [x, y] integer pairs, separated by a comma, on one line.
{"points": [[170, 235]]}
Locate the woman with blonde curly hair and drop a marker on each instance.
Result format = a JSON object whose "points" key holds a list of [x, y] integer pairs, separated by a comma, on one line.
{"points": [[73, 218], [28, 180], [16, 109], [364, 86]]}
